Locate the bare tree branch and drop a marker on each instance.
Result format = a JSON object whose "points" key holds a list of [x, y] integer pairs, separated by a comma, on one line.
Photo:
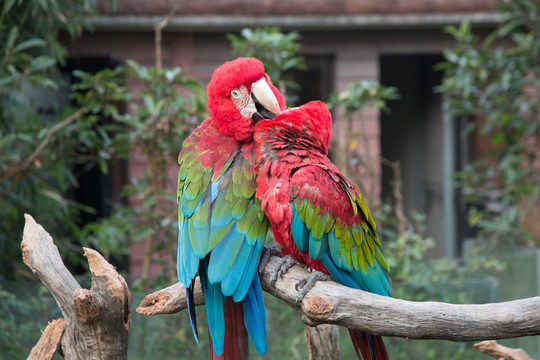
{"points": [[158, 28], [332, 303], [97, 320], [491, 348], [48, 342]]}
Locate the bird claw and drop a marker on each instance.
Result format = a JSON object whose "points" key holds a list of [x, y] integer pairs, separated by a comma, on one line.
{"points": [[306, 283], [267, 252], [283, 266]]}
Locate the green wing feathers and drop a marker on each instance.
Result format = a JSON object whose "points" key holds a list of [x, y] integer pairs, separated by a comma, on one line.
{"points": [[333, 224]]}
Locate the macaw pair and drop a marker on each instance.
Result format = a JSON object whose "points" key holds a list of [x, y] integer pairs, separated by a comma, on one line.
{"points": [[251, 166]]}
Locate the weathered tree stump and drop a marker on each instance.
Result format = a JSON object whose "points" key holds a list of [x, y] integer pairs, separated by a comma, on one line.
{"points": [[96, 320]]}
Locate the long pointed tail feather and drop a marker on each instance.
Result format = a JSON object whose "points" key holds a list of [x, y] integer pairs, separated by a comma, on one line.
{"points": [[368, 346], [191, 311]]}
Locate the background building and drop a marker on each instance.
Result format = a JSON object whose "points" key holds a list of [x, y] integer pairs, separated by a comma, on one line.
{"points": [[394, 42]]}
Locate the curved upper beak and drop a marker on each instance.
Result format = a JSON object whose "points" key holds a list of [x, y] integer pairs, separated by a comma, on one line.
{"points": [[265, 101]]}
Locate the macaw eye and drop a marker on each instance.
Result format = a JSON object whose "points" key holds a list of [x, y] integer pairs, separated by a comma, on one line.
{"points": [[235, 94]]}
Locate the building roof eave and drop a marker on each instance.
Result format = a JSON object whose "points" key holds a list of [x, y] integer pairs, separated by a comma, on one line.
{"points": [[213, 23]]}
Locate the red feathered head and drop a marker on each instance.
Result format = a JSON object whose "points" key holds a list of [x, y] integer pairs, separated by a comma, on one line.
{"points": [[240, 94], [316, 121]]}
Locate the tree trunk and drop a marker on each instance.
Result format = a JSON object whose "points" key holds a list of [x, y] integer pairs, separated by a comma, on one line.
{"points": [[323, 342], [96, 320]]}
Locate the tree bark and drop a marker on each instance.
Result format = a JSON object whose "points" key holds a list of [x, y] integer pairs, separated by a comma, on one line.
{"points": [[323, 342], [332, 303], [48, 342], [96, 320]]}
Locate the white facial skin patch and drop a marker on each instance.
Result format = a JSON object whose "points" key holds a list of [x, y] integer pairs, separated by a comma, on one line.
{"points": [[243, 101]]}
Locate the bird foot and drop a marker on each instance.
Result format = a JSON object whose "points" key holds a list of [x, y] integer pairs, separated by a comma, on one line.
{"points": [[283, 266], [306, 283], [267, 252]]}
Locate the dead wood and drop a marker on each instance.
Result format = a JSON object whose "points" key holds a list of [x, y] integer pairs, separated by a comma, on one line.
{"points": [[49, 341], [96, 320]]}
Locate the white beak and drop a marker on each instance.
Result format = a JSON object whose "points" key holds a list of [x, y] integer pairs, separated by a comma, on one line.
{"points": [[263, 97]]}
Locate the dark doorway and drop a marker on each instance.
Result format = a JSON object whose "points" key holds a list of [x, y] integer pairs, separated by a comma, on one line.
{"points": [[315, 83], [415, 133]]}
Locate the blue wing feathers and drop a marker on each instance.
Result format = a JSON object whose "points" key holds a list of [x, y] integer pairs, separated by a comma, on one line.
{"points": [[231, 281], [339, 275], [246, 280], [299, 231], [255, 316], [224, 255], [317, 247], [188, 262]]}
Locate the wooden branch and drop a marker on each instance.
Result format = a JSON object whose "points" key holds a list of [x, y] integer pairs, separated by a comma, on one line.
{"points": [[97, 320], [491, 348], [48, 342], [170, 300], [332, 303]]}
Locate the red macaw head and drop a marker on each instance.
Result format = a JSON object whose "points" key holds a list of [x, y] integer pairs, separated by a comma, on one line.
{"points": [[312, 121], [316, 121], [240, 94]]}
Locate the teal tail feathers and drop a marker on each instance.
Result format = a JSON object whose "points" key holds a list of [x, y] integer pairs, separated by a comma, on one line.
{"points": [[230, 322]]}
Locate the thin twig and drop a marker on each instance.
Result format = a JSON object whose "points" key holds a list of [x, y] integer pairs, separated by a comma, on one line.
{"points": [[157, 39], [397, 192], [43, 144]]}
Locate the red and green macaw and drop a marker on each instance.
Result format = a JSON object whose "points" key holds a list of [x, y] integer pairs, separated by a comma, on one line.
{"points": [[316, 214], [221, 226]]}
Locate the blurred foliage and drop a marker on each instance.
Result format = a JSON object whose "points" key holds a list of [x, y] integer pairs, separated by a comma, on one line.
{"points": [[43, 136], [24, 317], [278, 52], [495, 81], [362, 94]]}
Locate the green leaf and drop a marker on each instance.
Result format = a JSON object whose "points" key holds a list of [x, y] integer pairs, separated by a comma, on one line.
{"points": [[142, 233], [30, 43], [41, 63], [12, 36]]}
